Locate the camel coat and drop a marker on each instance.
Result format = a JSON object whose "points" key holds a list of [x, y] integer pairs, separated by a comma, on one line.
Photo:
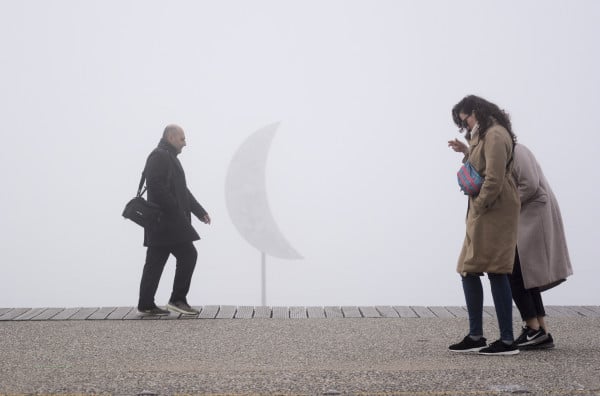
{"points": [[493, 215], [541, 242]]}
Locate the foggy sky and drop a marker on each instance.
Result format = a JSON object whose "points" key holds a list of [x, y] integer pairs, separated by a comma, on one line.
{"points": [[359, 176]]}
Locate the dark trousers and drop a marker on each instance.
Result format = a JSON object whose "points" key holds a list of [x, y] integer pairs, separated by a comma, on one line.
{"points": [[502, 302], [156, 258], [528, 301]]}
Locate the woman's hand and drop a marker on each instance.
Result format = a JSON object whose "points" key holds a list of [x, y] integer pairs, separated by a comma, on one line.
{"points": [[458, 146]]}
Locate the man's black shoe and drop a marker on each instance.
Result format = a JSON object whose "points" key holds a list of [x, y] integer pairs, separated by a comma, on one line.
{"points": [[468, 345], [154, 311], [182, 307]]}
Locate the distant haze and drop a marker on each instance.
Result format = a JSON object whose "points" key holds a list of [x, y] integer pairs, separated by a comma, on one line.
{"points": [[359, 177]]}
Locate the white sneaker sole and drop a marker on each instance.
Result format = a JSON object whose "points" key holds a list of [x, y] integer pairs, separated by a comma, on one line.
{"points": [[472, 350], [506, 353], [181, 311]]}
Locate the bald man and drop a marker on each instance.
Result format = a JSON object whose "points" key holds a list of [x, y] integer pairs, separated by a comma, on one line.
{"points": [[174, 234]]}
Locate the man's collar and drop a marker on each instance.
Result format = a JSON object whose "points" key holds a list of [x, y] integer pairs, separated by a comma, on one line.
{"points": [[165, 145]]}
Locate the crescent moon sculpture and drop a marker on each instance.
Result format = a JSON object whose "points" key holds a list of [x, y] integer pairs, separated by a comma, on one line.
{"points": [[246, 196]]}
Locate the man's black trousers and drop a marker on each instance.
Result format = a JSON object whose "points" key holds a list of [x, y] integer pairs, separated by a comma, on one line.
{"points": [[156, 258]]}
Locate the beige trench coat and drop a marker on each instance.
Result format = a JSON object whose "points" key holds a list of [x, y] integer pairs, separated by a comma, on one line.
{"points": [[541, 242], [493, 215]]}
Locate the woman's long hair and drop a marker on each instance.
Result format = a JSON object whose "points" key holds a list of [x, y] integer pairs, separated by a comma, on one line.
{"points": [[485, 112]]}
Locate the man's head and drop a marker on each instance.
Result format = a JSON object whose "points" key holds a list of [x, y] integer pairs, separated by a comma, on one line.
{"points": [[175, 136]]}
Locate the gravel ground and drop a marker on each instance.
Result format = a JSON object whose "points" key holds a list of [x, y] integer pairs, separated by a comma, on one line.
{"points": [[305, 356]]}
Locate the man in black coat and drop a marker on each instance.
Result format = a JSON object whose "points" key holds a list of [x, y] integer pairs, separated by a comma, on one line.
{"points": [[174, 234]]}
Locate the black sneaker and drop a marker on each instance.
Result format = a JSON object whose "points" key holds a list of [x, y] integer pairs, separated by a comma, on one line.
{"points": [[500, 348], [548, 343], [530, 337], [182, 307], [468, 345], [154, 311]]}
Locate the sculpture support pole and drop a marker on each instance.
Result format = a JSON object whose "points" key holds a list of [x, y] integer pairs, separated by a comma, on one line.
{"points": [[263, 262]]}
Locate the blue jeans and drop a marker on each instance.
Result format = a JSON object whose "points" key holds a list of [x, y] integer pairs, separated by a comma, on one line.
{"points": [[502, 302]]}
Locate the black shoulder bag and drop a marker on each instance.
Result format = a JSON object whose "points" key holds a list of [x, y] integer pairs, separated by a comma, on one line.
{"points": [[140, 211]]}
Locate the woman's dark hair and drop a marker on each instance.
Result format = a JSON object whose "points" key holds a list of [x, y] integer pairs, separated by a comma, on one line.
{"points": [[485, 112]]}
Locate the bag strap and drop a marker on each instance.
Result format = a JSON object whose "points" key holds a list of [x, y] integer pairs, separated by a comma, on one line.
{"points": [[141, 192], [512, 156]]}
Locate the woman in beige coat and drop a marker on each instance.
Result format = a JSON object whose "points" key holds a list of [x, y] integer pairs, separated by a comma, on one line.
{"points": [[492, 219]]}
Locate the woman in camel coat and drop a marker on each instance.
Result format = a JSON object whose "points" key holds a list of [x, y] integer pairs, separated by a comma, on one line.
{"points": [[492, 220], [493, 215]]}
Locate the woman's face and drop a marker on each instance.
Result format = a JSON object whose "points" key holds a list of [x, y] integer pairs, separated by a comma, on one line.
{"points": [[468, 121]]}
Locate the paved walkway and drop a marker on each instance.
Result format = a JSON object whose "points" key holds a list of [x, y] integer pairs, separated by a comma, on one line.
{"points": [[325, 356], [249, 312]]}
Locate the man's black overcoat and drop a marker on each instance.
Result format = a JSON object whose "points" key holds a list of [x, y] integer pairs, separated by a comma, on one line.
{"points": [[167, 187]]}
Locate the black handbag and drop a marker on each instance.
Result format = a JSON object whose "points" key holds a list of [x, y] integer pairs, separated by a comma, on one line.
{"points": [[140, 211]]}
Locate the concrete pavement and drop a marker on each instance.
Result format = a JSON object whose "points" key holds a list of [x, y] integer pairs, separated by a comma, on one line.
{"points": [[383, 356]]}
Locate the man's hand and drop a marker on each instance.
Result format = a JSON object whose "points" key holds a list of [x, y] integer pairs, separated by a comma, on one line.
{"points": [[205, 219], [458, 146]]}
